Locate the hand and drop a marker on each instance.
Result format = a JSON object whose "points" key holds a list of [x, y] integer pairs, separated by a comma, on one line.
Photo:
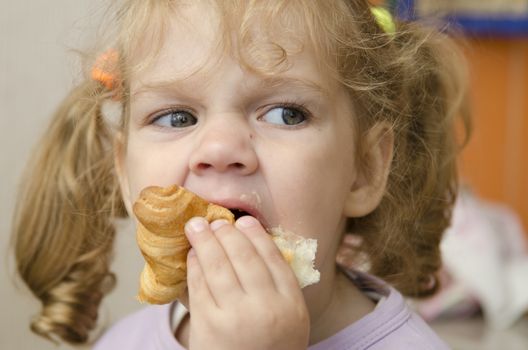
{"points": [[242, 293]]}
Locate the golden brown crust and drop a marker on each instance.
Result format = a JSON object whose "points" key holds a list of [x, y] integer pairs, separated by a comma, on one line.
{"points": [[162, 214]]}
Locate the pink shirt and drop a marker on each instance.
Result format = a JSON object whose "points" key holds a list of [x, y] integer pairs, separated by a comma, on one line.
{"points": [[391, 325]]}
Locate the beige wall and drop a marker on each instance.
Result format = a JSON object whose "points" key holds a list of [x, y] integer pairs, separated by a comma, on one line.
{"points": [[36, 70]]}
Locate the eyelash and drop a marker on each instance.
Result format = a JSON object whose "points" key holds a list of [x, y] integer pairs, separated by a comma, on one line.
{"points": [[151, 119], [300, 106]]}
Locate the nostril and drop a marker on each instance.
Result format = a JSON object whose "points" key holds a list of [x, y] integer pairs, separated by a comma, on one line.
{"points": [[206, 166], [203, 166]]}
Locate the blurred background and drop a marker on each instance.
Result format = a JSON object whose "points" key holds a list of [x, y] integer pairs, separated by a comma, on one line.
{"points": [[484, 298], [483, 301]]}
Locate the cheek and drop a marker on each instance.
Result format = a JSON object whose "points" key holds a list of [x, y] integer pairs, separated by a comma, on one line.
{"points": [[313, 208], [314, 187], [153, 165], [310, 192]]}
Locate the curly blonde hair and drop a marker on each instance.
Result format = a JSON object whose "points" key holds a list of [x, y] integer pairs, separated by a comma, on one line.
{"points": [[413, 79]]}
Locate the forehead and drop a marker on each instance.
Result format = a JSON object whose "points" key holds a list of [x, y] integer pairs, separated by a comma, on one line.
{"points": [[197, 38]]}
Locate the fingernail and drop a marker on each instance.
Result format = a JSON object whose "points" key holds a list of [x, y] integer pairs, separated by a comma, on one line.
{"points": [[247, 221], [215, 225], [196, 225]]}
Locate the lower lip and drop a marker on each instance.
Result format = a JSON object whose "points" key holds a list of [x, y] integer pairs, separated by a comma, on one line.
{"points": [[262, 222]]}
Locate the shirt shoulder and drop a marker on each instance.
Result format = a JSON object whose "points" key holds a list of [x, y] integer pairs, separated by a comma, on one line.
{"points": [[391, 325], [414, 333], [146, 329]]}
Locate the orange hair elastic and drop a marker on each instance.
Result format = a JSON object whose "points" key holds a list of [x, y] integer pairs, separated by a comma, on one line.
{"points": [[105, 69]]}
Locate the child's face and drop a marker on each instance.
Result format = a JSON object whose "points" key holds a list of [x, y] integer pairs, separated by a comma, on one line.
{"points": [[223, 133]]}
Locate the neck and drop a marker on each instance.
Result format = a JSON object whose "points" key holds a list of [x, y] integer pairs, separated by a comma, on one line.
{"points": [[342, 304]]}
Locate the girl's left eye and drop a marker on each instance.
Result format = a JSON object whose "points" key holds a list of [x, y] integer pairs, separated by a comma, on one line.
{"points": [[175, 119], [285, 115]]}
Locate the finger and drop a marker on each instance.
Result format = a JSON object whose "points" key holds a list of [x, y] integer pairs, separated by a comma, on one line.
{"points": [[215, 266], [251, 270], [199, 295], [281, 272]]}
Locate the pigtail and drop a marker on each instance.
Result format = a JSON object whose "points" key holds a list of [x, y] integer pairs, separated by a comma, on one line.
{"points": [[417, 82], [425, 165], [424, 173], [63, 234]]}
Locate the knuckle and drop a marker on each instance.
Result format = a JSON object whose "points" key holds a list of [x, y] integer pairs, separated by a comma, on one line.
{"points": [[204, 239], [300, 313], [274, 256], [192, 280], [216, 264], [270, 317], [237, 321], [244, 255], [224, 232]]}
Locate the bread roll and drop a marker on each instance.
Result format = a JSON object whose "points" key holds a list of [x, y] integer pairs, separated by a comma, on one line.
{"points": [[299, 252], [162, 214]]}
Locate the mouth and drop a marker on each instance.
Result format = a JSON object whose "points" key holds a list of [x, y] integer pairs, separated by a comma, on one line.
{"points": [[244, 209], [238, 213], [241, 205]]}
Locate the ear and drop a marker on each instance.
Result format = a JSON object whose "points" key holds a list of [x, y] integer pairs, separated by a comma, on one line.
{"points": [[121, 172], [369, 186]]}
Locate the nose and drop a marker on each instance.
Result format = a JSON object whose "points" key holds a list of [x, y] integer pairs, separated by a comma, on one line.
{"points": [[225, 145]]}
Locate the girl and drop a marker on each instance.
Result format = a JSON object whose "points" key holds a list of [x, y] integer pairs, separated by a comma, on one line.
{"points": [[310, 115]]}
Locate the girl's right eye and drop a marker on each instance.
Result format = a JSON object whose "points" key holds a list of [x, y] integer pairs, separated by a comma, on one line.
{"points": [[175, 119]]}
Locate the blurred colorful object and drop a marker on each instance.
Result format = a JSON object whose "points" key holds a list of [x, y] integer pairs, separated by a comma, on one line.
{"points": [[485, 256], [474, 17]]}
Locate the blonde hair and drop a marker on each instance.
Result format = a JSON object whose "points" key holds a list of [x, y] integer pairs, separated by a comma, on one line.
{"points": [[62, 228], [413, 79]]}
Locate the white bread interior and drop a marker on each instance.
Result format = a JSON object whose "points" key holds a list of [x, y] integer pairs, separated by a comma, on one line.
{"points": [[299, 252]]}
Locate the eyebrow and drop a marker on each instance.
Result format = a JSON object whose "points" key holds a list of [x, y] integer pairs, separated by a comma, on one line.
{"points": [[291, 82], [267, 83]]}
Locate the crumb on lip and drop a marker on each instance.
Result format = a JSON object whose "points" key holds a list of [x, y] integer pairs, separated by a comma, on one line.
{"points": [[253, 199]]}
